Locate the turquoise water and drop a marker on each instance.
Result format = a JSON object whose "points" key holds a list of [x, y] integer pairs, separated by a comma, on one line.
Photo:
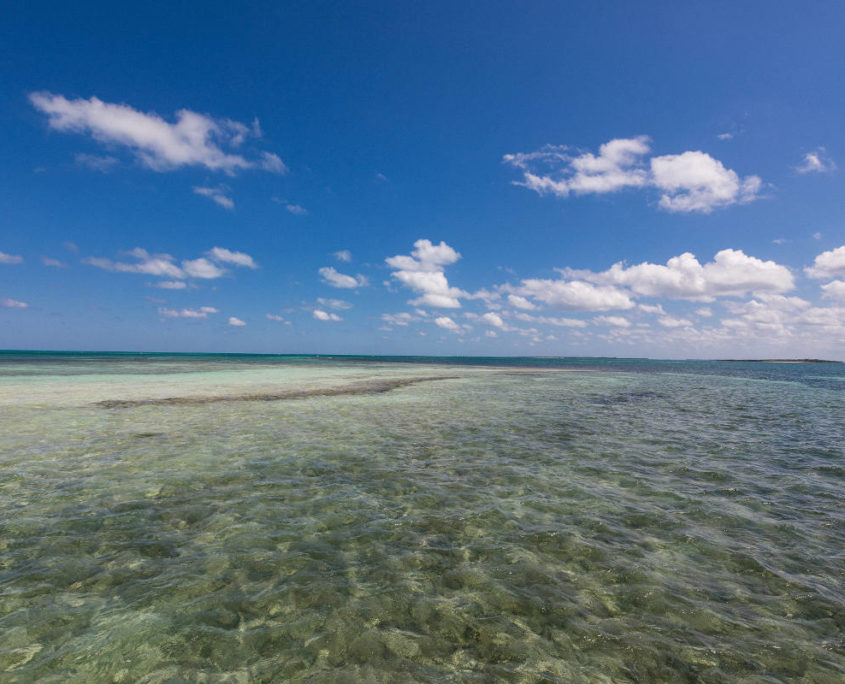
{"points": [[230, 518]]}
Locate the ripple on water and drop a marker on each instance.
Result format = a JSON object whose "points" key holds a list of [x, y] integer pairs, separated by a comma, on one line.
{"points": [[602, 527]]}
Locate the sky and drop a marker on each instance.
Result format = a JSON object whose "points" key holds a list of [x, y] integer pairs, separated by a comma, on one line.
{"points": [[498, 178]]}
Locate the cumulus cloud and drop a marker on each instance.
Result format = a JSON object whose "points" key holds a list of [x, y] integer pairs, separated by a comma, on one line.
{"points": [[321, 315], [493, 319], [559, 321], [731, 273], [10, 258], [816, 161], [202, 312], [296, 210], [276, 317], [202, 268], [333, 277], [447, 323], [574, 295], [170, 285], [223, 255], [191, 140], [343, 255], [422, 272], [520, 303], [830, 264], [834, 290], [674, 322], [217, 194], [236, 322], [692, 181], [8, 303]]}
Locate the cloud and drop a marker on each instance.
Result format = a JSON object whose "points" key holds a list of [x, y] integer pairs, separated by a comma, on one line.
{"points": [[192, 140], [521, 303], [150, 264], [830, 264], [10, 258], [493, 319], [725, 136], [332, 277], [97, 162], [236, 322], [221, 254], [673, 322], [400, 319], [217, 195], [164, 265], [731, 273], [202, 268], [343, 255], [8, 303], [559, 321], [574, 295], [816, 161], [202, 312], [296, 210], [834, 290], [71, 246], [447, 323], [321, 315], [615, 321], [276, 317], [694, 181], [338, 304], [55, 263], [170, 285], [422, 272], [690, 181]]}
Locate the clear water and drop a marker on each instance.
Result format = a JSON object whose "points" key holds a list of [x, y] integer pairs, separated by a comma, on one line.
{"points": [[632, 521]]}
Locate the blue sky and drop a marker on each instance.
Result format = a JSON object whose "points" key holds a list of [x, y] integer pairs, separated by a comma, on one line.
{"points": [[440, 178]]}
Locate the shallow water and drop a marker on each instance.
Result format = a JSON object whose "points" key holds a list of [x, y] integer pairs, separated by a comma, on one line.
{"points": [[630, 522]]}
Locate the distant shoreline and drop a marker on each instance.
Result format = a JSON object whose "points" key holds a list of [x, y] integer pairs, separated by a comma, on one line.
{"points": [[781, 360]]}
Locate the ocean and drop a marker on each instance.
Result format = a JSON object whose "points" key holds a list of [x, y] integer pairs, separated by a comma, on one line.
{"points": [[235, 518]]}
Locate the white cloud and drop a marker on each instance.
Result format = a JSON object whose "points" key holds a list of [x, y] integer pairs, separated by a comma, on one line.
{"points": [[276, 317], [193, 140], [704, 312], [170, 285], [559, 321], [616, 321], [336, 279], [296, 210], [694, 181], [217, 194], [493, 319], [834, 290], [422, 272], [830, 264], [236, 322], [9, 303], [202, 268], [731, 273], [202, 312], [690, 181], [447, 323], [55, 263], [343, 255], [221, 254], [321, 315], [521, 303], [816, 161], [725, 136], [674, 322], [338, 304], [490, 333], [400, 319], [10, 258], [574, 295], [149, 264]]}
